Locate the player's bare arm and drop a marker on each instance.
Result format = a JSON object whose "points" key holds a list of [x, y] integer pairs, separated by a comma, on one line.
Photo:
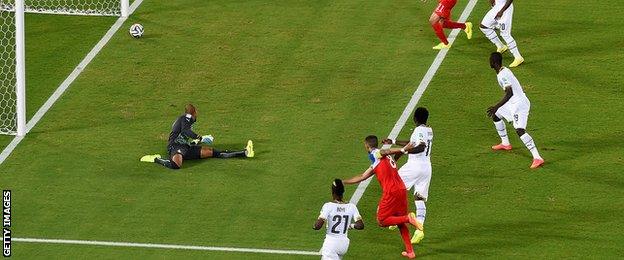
{"points": [[318, 224], [492, 3], [359, 178], [392, 151], [500, 13], [508, 94], [418, 149], [359, 224], [395, 142]]}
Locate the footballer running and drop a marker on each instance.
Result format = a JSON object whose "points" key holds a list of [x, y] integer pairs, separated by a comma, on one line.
{"points": [[340, 217], [416, 173], [392, 208], [184, 144], [441, 18], [513, 107]]}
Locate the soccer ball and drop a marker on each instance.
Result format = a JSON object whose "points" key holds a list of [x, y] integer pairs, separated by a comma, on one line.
{"points": [[136, 30]]}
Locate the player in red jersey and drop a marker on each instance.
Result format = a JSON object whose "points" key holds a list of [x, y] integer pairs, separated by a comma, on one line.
{"points": [[441, 18], [392, 209]]}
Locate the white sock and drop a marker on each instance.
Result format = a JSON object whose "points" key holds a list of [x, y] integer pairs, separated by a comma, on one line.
{"points": [[528, 142], [492, 36], [421, 211], [502, 132], [513, 47]]}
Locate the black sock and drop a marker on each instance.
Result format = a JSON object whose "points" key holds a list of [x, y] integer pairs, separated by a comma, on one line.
{"points": [[228, 154], [167, 163]]}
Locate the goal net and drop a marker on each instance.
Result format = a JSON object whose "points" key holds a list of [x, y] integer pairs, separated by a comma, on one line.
{"points": [[12, 58], [71, 7], [8, 98]]}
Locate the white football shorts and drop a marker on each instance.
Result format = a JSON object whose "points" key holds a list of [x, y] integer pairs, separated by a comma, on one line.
{"points": [[503, 24], [417, 176], [516, 113], [334, 248]]}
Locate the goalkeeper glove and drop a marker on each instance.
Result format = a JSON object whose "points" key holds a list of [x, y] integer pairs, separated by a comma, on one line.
{"points": [[207, 139]]}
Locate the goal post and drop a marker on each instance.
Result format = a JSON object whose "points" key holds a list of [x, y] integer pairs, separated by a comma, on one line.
{"points": [[12, 49], [20, 69]]}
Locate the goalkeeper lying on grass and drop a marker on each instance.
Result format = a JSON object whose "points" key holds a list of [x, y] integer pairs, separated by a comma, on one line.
{"points": [[181, 149]]}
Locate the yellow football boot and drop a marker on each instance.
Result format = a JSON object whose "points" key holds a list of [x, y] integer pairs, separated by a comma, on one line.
{"points": [[442, 46], [468, 30], [150, 158], [516, 62], [418, 236], [249, 151], [502, 49]]}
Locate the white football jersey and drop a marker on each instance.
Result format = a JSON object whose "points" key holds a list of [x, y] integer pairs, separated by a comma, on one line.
{"points": [[507, 79], [338, 217], [422, 134]]}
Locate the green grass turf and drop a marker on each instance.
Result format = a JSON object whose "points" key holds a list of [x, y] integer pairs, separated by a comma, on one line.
{"points": [[307, 81]]}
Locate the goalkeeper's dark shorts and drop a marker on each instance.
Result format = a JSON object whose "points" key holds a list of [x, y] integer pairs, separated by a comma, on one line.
{"points": [[188, 152]]}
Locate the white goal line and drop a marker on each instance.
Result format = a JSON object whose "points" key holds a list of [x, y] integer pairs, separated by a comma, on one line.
{"points": [[357, 195], [166, 246]]}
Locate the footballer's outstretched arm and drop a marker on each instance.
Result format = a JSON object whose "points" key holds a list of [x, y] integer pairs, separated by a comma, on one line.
{"points": [[508, 94], [408, 147], [318, 224], [358, 178], [397, 142]]}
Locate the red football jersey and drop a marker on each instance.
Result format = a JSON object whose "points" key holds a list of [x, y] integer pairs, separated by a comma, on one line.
{"points": [[386, 170]]}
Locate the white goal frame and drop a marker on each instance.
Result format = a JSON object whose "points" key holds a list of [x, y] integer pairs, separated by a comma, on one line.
{"points": [[20, 56]]}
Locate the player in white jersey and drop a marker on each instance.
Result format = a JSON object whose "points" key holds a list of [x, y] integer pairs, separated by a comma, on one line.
{"points": [[416, 173], [500, 17], [340, 217], [514, 107]]}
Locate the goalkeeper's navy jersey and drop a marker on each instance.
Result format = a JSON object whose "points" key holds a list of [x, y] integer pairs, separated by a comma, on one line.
{"points": [[182, 130]]}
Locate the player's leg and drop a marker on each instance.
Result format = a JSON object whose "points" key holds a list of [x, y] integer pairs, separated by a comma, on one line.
{"points": [[175, 162], [405, 236], [176, 157], [392, 210], [421, 193], [467, 26], [207, 152], [505, 31], [520, 122], [502, 112], [487, 27], [436, 23]]}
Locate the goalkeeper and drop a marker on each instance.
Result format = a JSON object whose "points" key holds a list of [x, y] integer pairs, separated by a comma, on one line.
{"points": [[180, 148]]}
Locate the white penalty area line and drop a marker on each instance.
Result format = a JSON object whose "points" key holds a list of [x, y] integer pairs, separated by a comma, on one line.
{"points": [[68, 81], [357, 195], [165, 246]]}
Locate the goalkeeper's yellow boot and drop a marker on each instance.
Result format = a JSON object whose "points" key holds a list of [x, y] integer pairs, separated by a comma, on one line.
{"points": [[442, 46], [516, 62], [150, 158], [468, 30], [249, 152], [502, 49], [418, 236]]}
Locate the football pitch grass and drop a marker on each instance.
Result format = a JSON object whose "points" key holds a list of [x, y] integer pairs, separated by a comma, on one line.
{"points": [[307, 81]]}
